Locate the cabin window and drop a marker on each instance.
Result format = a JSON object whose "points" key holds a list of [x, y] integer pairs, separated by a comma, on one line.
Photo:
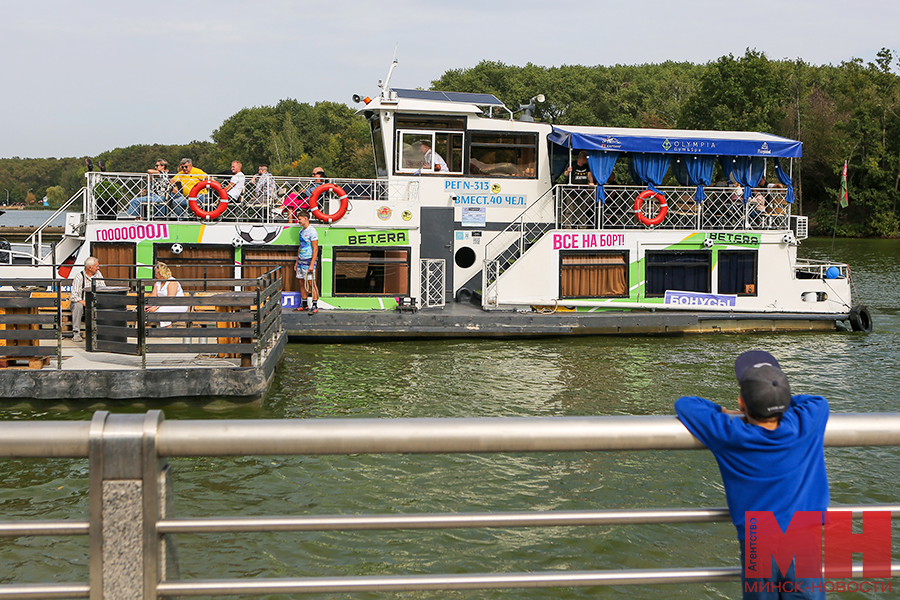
{"points": [[412, 159], [117, 259], [258, 260], [737, 272], [371, 271], [681, 270], [500, 154], [199, 262], [593, 274], [378, 147]]}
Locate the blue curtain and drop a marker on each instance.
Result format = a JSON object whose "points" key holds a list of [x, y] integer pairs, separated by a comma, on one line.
{"points": [[649, 168], [559, 160], [601, 165], [695, 170], [783, 178], [746, 170]]}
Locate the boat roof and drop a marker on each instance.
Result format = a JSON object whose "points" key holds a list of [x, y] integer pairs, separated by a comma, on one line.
{"points": [[675, 141], [464, 97]]}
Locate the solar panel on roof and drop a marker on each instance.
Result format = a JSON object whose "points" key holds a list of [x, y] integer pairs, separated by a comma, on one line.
{"points": [[478, 99]]}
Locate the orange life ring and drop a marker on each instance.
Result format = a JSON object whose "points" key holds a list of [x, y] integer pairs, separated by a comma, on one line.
{"points": [[223, 200], [639, 202], [314, 202]]}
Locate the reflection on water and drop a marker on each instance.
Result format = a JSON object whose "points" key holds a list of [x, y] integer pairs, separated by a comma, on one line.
{"points": [[556, 377]]}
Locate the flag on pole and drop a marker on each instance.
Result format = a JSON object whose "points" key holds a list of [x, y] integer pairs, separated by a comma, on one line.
{"points": [[845, 197]]}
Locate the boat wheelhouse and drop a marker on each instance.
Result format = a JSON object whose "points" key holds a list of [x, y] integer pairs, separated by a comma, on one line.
{"points": [[470, 205]]}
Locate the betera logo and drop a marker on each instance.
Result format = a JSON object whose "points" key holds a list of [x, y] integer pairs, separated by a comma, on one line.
{"points": [[804, 539]]}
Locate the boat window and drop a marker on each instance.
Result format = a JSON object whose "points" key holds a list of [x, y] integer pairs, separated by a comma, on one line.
{"points": [[681, 270], [198, 261], [430, 122], [413, 157], [737, 272], [258, 260], [378, 148], [500, 154], [371, 271], [593, 274]]}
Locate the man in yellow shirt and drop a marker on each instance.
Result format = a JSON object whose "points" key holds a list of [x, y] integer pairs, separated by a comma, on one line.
{"points": [[183, 182]]}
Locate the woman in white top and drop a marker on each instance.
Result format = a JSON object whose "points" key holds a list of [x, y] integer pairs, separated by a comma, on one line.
{"points": [[166, 287]]}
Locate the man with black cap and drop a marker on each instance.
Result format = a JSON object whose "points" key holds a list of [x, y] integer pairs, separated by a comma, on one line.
{"points": [[771, 459]]}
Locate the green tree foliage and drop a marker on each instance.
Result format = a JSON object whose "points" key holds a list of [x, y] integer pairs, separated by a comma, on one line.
{"points": [[846, 112]]}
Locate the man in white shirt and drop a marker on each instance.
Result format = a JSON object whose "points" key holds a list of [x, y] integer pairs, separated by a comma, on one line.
{"points": [[432, 160], [236, 183]]}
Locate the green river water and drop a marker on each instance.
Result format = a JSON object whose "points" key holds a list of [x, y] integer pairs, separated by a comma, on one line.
{"points": [[555, 377]]}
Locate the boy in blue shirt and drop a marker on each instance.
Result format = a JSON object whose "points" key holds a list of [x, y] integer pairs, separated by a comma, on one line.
{"points": [[771, 459]]}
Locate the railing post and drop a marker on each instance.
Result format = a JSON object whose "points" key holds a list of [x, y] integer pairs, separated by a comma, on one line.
{"points": [[127, 482]]}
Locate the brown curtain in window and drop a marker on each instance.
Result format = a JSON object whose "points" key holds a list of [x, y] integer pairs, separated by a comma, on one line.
{"points": [[593, 276]]}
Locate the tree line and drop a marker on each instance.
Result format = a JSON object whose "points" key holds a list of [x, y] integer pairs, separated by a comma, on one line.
{"points": [[850, 112]]}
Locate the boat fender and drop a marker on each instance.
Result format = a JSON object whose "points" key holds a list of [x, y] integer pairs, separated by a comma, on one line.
{"points": [[314, 203], [218, 210], [464, 295], [639, 202], [860, 318]]}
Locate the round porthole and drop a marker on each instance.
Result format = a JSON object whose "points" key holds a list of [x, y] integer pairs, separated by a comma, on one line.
{"points": [[465, 258]]}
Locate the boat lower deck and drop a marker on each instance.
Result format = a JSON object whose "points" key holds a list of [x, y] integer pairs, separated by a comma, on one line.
{"points": [[459, 320]]}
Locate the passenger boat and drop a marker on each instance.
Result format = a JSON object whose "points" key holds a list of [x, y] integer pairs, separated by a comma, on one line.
{"points": [[496, 223]]}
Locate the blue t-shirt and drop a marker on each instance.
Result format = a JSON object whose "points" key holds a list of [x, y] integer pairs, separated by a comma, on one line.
{"points": [[307, 237], [780, 470]]}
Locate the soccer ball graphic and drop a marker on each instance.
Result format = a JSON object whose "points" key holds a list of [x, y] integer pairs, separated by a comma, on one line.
{"points": [[258, 234], [177, 248], [237, 242]]}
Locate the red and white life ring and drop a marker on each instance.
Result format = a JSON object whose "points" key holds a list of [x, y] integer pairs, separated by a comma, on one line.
{"points": [[639, 202], [314, 202], [218, 210]]}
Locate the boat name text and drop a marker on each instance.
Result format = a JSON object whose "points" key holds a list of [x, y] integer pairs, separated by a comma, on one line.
{"points": [[587, 241], [392, 237], [475, 186], [148, 231], [744, 239]]}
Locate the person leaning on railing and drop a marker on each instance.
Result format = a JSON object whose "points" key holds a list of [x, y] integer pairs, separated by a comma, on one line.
{"points": [[771, 458], [84, 280]]}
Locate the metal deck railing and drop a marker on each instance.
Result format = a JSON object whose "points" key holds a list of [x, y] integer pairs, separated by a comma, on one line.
{"points": [[125, 454], [128, 196]]}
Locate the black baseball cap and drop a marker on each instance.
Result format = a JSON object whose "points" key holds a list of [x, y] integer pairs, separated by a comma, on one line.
{"points": [[764, 386]]}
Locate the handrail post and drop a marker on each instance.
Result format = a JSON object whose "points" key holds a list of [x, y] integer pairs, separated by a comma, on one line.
{"points": [[126, 479]]}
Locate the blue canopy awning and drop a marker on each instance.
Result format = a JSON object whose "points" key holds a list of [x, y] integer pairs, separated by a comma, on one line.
{"points": [[675, 141]]}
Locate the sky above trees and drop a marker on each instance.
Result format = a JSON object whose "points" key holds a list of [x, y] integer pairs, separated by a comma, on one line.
{"points": [[82, 78]]}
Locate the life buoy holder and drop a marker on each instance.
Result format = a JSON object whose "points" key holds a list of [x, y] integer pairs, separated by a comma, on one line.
{"points": [[639, 203], [218, 210], [860, 318], [314, 203]]}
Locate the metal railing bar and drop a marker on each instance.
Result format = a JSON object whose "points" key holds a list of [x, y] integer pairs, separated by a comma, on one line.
{"points": [[466, 520], [44, 591], [445, 582], [461, 582], [68, 439], [23, 528], [472, 435]]}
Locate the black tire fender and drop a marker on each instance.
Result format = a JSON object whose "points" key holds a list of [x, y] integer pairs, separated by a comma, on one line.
{"points": [[860, 318]]}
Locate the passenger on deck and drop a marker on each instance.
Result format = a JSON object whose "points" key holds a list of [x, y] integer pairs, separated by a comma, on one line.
{"points": [[579, 172], [157, 192], [299, 200], [265, 185], [166, 287], [80, 282], [236, 184], [431, 160], [183, 182]]}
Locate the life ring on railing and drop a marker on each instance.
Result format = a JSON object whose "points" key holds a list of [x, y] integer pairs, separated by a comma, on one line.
{"points": [[860, 318], [639, 202], [223, 200], [314, 202]]}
